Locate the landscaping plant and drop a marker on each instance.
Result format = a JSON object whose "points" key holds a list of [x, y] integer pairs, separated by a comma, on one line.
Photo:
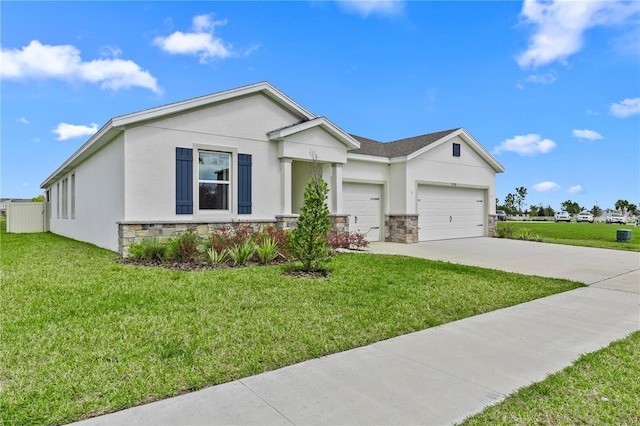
{"points": [[242, 253], [184, 246], [150, 249], [267, 250], [309, 238]]}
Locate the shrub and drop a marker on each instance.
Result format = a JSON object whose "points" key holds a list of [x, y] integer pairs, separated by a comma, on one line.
{"points": [[358, 240], [242, 253], [309, 238], [216, 257], [337, 240], [184, 246], [525, 234], [149, 249], [267, 250], [229, 237], [504, 232], [282, 237]]}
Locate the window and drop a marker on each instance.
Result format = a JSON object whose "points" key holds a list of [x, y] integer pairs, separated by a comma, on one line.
{"points": [[214, 180], [73, 196], [65, 195], [58, 200], [456, 150]]}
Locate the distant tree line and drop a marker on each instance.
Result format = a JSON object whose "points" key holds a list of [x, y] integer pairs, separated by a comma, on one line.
{"points": [[515, 202]]}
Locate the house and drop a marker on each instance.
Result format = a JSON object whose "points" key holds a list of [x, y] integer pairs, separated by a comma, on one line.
{"points": [[246, 155]]}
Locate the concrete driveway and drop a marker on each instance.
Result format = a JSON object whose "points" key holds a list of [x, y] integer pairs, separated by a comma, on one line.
{"points": [[613, 269]]}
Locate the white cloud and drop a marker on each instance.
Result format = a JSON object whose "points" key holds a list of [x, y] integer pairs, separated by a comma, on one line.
{"points": [[625, 108], [365, 8], [545, 186], [530, 144], [22, 120], [576, 189], [592, 135], [68, 131], [546, 78], [63, 62], [560, 25], [201, 42]]}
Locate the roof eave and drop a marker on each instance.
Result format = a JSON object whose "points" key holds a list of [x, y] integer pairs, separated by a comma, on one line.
{"points": [[322, 122], [201, 101], [95, 142]]}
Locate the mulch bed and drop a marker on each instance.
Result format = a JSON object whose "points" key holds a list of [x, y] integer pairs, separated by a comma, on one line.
{"points": [[201, 265]]}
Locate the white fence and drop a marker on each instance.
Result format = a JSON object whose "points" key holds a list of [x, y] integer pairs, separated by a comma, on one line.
{"points": [[25, 217]]}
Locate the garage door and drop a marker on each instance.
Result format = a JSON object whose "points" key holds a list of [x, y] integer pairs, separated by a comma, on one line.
{"points": [[363, 202], [446, 212]]}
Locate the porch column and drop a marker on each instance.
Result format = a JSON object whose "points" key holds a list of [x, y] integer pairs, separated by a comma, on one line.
{"points": [[336, 188], [285, 167]]}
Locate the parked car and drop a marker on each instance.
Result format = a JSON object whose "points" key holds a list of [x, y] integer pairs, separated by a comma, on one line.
{"points": [[584, 217], [637, 220], [502, 216], [562, 217], [616, 218]]}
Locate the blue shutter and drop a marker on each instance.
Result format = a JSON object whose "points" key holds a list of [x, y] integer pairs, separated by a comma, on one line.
{"points": [[244, 183], [184, 181]]}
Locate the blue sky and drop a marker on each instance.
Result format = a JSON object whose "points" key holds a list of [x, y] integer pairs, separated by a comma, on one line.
{"points": [[552, 89]]}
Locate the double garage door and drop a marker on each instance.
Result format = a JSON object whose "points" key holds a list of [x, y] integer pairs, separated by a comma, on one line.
{"points": [[443, 212], [450, 212]]}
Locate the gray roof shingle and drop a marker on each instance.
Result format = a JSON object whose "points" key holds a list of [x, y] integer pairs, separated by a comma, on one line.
{"points": [[398, 148]]}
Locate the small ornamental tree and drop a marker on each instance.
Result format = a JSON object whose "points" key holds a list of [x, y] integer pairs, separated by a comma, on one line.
{"points": [[309, 238]]}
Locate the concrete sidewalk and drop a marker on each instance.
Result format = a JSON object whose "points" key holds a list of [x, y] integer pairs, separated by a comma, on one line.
{"points": [[439, 375]]}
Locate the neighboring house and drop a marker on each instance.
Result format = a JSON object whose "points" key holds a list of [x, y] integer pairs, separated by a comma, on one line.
{"points": [[246, 155]]}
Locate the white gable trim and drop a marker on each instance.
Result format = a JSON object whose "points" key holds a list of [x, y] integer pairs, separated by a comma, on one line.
{"points": [[324, 123], [479, 149], [117, 124], [264, 87]]}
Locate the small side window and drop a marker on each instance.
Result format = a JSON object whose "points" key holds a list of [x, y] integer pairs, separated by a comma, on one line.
{"points": [[456, 150]]}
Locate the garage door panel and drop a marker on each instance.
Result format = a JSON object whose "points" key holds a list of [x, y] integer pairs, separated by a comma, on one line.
{"points": [[363, 203], [450, 212]]}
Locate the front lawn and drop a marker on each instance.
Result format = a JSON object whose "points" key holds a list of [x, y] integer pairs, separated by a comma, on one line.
{"points": [[83, 335], [600, 388], [599, 234]]}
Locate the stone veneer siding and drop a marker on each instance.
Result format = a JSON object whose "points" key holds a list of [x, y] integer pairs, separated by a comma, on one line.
{"points": [[493, 225], [339, 223], [401, 229], [136, 232]]}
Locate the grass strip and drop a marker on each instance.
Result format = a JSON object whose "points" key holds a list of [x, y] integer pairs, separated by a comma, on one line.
{"points": [[83, 335], [598, 235], [600, 388]]}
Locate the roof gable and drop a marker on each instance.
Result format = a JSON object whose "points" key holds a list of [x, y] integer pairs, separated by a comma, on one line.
{"points": [[413, 147], [117, 125]]}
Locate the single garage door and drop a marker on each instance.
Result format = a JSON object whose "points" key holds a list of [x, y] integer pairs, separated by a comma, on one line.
{"points": [[363, 202], [449, 212]]}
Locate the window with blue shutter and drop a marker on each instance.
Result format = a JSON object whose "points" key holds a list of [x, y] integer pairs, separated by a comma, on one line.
{"points": [[244, 183], [184, 181]]}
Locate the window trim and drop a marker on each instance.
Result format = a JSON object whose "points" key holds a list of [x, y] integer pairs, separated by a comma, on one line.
{"points": [[233, 180], [73, 196], [456, 152]]}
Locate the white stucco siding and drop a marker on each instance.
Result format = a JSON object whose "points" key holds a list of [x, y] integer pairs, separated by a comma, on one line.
{"points": [[314, 141], [99, 198], [238, 127], [379, 173], [439, 166], [249, 117]]}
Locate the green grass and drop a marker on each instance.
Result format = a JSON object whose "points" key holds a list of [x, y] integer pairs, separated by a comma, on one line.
{"points": [[83, 335], [600, 388], [599, 234]]}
